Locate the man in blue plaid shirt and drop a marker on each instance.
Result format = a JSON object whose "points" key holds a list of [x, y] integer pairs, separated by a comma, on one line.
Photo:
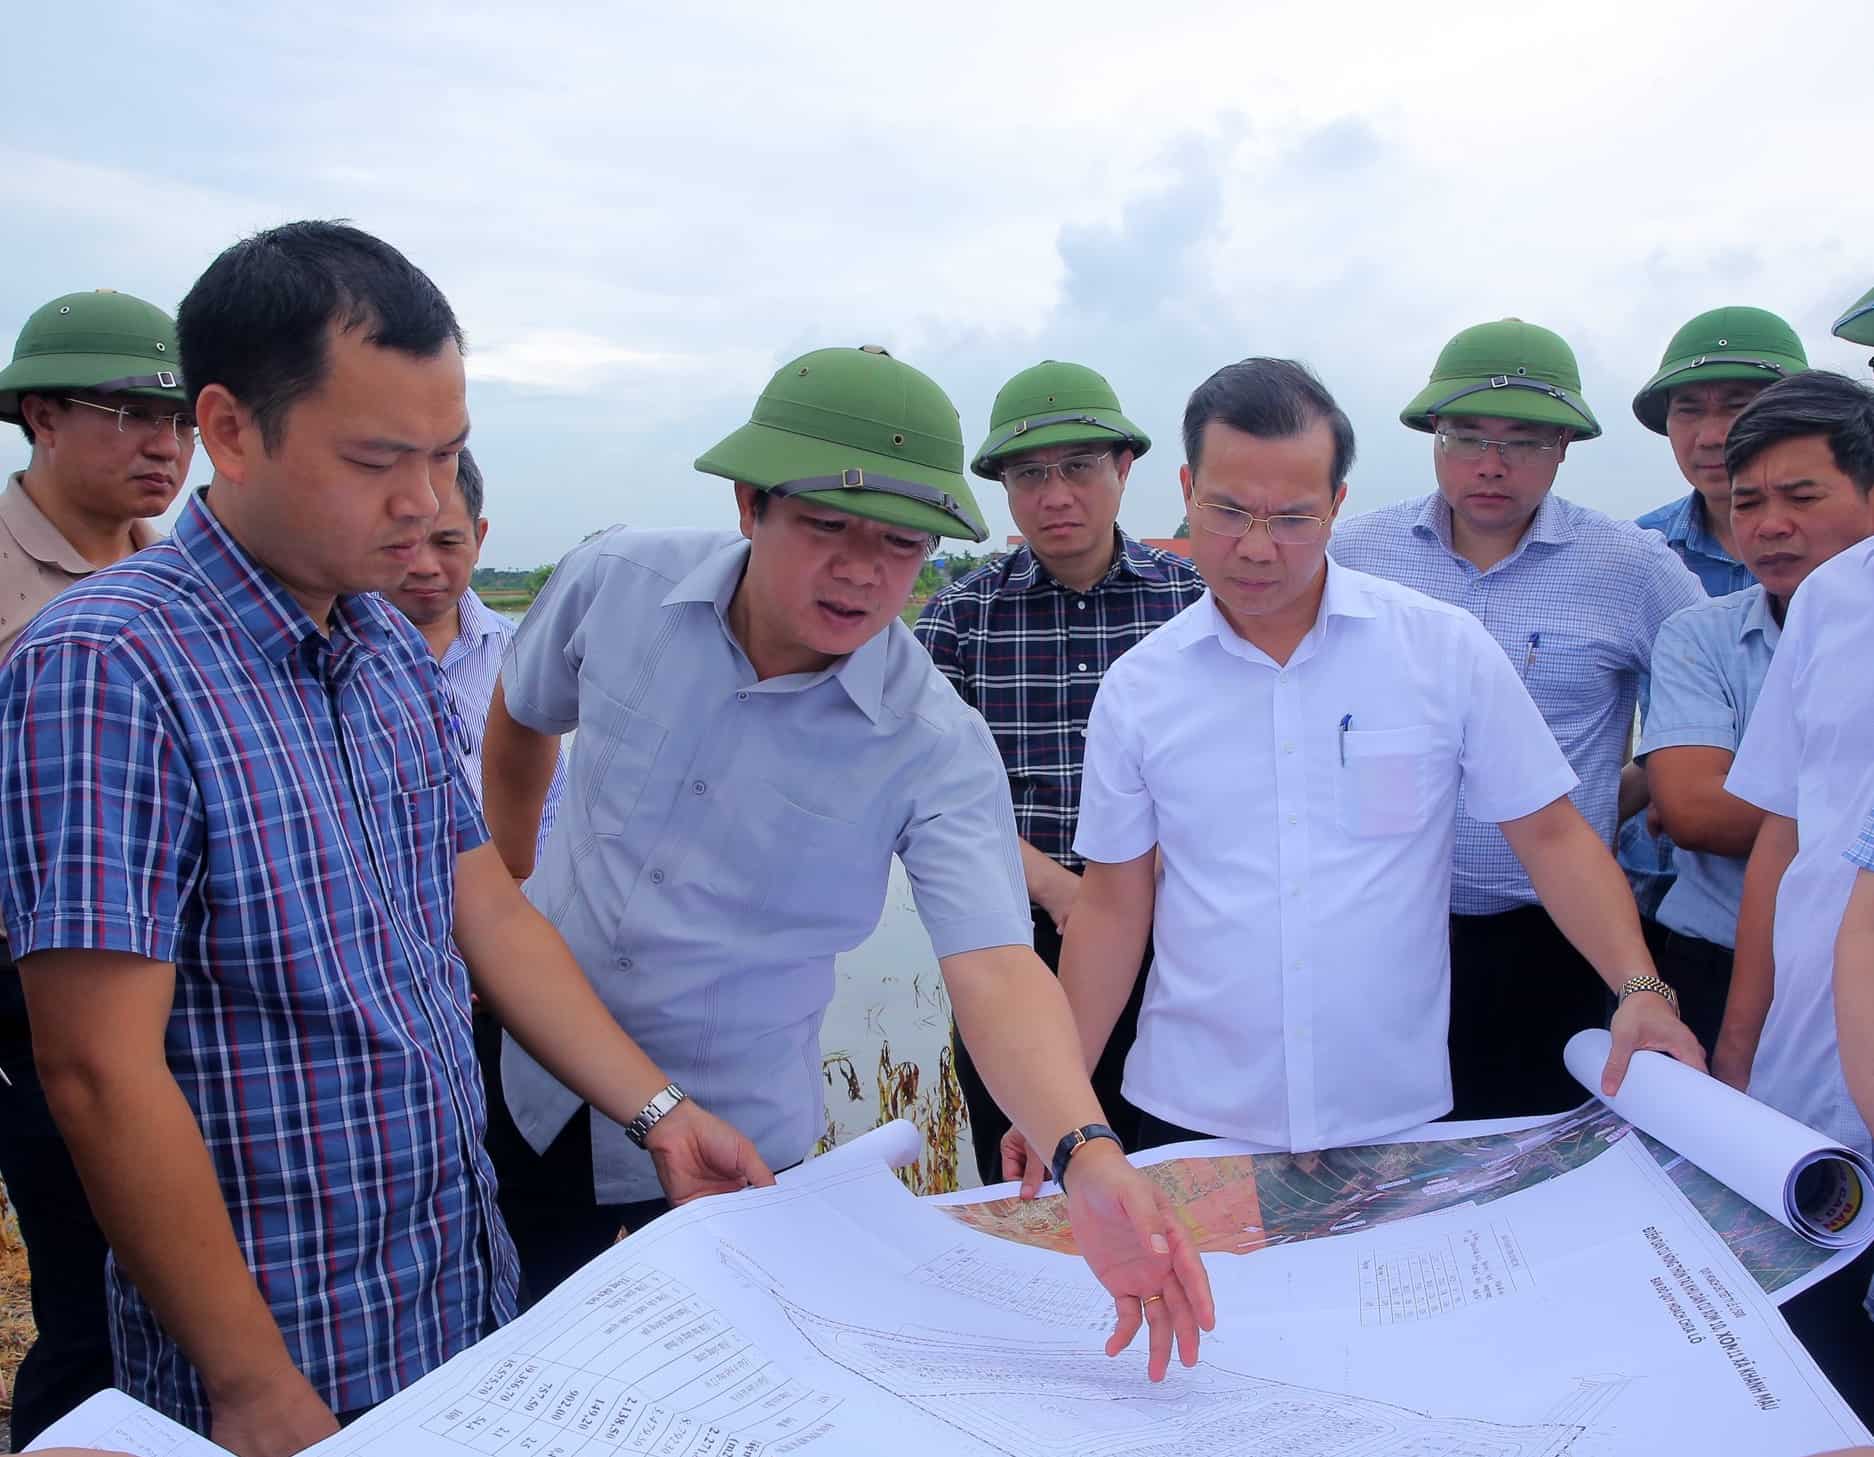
{"points": [[1026, 641]]}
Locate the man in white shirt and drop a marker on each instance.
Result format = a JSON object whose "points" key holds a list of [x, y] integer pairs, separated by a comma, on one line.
{"points": [[1275, 772], [1806, 761]]}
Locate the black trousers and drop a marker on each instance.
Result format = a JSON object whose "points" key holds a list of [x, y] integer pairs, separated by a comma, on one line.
{"points": [[547, 1198], [1154, 1132], [987, 1120], [1700, 972], [1519, 991], [71, 1357], [1831, 1321]]}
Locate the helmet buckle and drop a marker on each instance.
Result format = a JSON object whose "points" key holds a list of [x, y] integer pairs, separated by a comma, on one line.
{"points": [[1499, 381], [166, 379], [852, 478]]}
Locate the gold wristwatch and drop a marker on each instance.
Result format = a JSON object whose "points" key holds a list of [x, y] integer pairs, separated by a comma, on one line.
{"points": [[1649, 984]]}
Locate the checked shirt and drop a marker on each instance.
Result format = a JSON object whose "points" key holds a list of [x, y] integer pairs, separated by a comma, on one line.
{"points": [[191, 772], [1028, 654]]}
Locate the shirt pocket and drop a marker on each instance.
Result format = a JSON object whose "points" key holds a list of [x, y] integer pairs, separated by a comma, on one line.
{"points": [[1383, 787], [820, 868], [427, 817], [613, 760]]}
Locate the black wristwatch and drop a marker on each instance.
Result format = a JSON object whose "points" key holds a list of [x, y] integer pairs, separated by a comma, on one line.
{"points": [[1070, 1145]]}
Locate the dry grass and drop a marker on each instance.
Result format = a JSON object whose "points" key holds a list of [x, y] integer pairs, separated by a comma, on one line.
{"points": [[16, 1321]]}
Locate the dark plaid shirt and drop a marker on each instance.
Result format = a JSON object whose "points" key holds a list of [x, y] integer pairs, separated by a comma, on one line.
{"points": [[1028, 654]]}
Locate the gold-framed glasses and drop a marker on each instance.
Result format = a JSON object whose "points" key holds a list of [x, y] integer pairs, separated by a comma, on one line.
{"points": [[1075, 470], [145, 418], [1285, 529]]}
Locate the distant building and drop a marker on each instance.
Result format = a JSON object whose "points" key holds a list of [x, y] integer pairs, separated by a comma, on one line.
{"points": [[1179, 545]]}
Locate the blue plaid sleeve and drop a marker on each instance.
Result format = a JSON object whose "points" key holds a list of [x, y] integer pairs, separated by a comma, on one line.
{"points": [[1861, 852], [100, 816]]}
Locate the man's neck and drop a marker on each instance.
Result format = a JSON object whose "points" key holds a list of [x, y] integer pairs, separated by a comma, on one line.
{"points": [[1484, 550], [443, 631], [1717, 516], [1277, 635], [100, 540], [317, 605], [1084, 572], [1778, 606], [768, 659]]}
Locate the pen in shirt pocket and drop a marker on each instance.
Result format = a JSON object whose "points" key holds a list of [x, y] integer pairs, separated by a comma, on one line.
{"points": [[1529, 657], [1346, 722]]}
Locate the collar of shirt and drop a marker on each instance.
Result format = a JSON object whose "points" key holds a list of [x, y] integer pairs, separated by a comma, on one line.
{"points": [[269, 614], [1343, 596], [44, 542], [1023, 569], [1758, 618], [476, 622], [861, 674], [1548, 527], [1690, 527]]}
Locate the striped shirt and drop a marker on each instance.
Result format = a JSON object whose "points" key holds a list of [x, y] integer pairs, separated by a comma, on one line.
{"points": [[1861, 852], [1028, 654], [1683, 523], [471, 665], [1576, 607], [191, 772]]}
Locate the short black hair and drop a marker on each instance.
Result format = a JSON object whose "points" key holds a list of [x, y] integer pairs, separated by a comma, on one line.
{"points": [[255, 322], [468, 480], [1815, 402], [1269, 398]]}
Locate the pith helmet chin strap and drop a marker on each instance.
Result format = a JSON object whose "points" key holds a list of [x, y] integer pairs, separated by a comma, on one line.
{"points": [[163, 379], [1749, 360], [854, 479], [1513, 382]]}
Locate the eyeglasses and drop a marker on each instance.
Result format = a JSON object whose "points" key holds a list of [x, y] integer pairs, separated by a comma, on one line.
{"points": [[1075, 470], [1512, 452], [179, 423], [1284, 530]]}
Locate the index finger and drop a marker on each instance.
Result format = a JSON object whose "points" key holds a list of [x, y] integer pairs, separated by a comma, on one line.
{"points": [[1187, 1267], [754, 1168]]}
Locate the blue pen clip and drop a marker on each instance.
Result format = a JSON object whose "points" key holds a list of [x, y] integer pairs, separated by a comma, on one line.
{"points": [[1346, 722], [1529, 658]]}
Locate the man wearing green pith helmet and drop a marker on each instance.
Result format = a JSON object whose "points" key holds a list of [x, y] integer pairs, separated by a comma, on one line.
{"points": [[1575, 599], [1715, 365], [95, 387], [1027, 640], [758, 735]]}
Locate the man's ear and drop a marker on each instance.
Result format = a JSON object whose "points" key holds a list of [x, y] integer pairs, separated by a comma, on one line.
{"points": [[1122, 465], [481, 532], [229, 433], [745, 495], [42, 415]]}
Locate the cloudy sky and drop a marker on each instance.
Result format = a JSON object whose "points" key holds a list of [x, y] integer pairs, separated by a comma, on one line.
{"points": [[640, 212]]}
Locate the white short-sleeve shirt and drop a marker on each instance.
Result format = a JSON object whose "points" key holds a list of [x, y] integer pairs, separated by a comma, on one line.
{"points": [[1808, 755], [1300, 992]]}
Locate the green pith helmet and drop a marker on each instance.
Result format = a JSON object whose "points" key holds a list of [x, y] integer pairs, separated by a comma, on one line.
{"points": [[104, 342], [1734, 343], [856, 430], [1509, 369], [1054, 403], [1857, 325]]}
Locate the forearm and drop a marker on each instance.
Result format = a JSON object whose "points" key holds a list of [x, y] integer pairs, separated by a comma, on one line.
{"points": [[1633, 794], [528, 978], [1854, 994], [1583, 890], [1020, 1032], [1753, 964], [150, 1182], [517, 769], [1100, 960], [1046, 876], [1699, 815]]}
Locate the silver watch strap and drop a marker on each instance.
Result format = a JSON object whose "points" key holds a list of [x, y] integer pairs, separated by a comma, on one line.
{"points": [[653, 1113]]}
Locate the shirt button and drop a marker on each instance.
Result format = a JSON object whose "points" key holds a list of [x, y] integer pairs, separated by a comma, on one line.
{"points": [[1281, 677], [699, 787], [1288, 747], [624, 963], [657, 877], [1083, 668], [1081, 605], [1292, 819], [741, 696]]}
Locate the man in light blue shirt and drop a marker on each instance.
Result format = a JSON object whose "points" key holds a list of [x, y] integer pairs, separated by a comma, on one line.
{"points": [[1574, 598], [758, 735], [1715, 365]]}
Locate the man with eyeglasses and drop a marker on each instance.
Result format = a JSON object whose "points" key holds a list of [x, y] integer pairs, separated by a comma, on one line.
{"points": [[1026, 641], [95, 387], [1574, 598], [1270, 794]]}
